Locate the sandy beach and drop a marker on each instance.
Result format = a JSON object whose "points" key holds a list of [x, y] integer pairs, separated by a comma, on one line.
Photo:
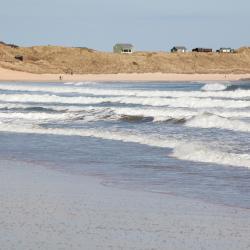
{"points": [[18, 76], [44, 205], [41, 208], [124, 126]]}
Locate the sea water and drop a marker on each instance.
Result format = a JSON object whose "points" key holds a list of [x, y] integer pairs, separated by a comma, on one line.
{"points": [[188, 139]]}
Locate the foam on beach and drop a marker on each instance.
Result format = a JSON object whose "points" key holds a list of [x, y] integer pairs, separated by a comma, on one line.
{"points": [[91, 89], [81, 83], [214, 87], [180, 102], [184, 150], [215, 121], [69, 110]]}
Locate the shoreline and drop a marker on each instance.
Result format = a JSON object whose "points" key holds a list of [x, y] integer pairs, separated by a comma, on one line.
{"points": [[7, 75], [50, 209]]}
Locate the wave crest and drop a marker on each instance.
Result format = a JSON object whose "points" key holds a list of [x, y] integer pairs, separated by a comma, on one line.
{"points": [[208, 120], [214, 87], [184, 150]]}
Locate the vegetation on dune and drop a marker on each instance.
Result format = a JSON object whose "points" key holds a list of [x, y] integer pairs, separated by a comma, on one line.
{"points": [[55, 59]]}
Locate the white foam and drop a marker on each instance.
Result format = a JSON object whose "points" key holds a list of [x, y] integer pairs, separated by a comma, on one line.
{"points": [[35, 116], [87, 82], [162, 114], [230, 114], [51, 99], [157, 114], [13, 106], [53, 107], [161, 105], [199, 152], [103, 134], [184, 102], [201, 117], [214, 121], [93, 90], [69, 83], [184, 150], [214, 87], [80, 83]]}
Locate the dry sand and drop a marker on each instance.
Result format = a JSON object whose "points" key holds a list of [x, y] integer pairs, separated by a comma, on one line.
{"points": [[66, 60], [11, 75], [48, 63], [44, 209]]}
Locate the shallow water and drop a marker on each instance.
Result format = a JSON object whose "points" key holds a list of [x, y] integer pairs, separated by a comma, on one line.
{"points": [[187, 139]]}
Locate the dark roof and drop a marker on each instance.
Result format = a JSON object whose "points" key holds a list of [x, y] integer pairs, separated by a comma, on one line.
{"points": [[125, 45], [202, 48]]}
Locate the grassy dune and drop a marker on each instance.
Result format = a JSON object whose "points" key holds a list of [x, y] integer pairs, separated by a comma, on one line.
{"points": [[55, 59]]}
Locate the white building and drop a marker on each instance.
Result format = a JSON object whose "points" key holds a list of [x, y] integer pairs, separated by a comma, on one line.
{"points": [[225, 50], [180, 49]]}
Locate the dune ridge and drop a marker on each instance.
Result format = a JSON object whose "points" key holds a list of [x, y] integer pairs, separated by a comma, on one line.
{"points": [[65, 60]]}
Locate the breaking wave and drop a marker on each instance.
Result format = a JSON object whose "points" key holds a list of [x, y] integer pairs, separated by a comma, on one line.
{"points": [[213, 121], [92, 90], [226, 87], [81, 83], [184, 150], [157, 114], [199, 152], [234, 87], [41, 108], [203, 118], [184, 102], [39, 117], [214, 87], [136, 118]]}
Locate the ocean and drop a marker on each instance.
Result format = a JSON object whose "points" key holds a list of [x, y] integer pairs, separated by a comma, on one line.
{"points": [[189, 139]]}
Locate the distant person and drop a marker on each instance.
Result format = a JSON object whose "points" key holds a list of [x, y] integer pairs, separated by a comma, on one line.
{"points": [[60, 78]]}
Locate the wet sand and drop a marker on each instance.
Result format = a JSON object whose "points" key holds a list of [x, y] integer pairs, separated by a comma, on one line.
{"points": [[42, 208]]}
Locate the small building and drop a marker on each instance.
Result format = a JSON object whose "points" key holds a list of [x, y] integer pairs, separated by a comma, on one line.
{"points": [[123, 48], [179, 49], [204, 50], [225, 50]]}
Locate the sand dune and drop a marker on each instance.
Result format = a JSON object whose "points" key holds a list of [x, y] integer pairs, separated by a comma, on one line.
{"points": [[48, 62]]}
